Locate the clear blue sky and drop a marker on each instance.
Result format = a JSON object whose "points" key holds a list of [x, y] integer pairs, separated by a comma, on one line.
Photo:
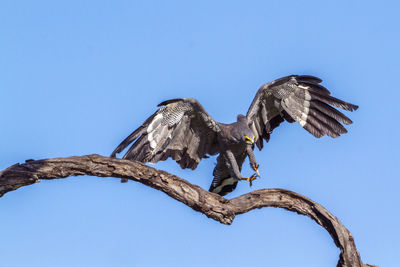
{"points": [[76, 77]]}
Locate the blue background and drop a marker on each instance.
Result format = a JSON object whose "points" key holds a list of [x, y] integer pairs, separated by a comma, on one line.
{"points": [[76, 77]]}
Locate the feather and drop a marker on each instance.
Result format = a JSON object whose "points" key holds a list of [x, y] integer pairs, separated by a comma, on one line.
{"points": [[180, 129], [321, 126], [308, 78], [133, 136], [312, 130], [315, 87], [333, 101], [132, 151], [330, 111], [170, 101], [334, 124], [298, 98], [263, 115], [301, 118]]}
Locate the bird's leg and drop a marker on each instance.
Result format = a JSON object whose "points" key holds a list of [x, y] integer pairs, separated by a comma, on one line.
{"points": [[252, 158], [234, 168]]}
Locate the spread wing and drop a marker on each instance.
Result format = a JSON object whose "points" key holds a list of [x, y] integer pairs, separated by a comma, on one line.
{"points": [[297, 98], [180, 129]]}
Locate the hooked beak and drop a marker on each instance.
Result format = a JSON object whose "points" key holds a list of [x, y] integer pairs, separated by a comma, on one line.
{"points": [[249, 140]]}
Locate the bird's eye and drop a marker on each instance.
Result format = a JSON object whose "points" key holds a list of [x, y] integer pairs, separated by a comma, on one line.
{"points": [[247, 139]]}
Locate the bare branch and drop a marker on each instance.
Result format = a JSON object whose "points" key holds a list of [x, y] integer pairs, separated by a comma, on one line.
{"points": [[212, 205]]}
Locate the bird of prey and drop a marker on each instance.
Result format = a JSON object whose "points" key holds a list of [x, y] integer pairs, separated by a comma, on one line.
{"points": [[182, 129]]}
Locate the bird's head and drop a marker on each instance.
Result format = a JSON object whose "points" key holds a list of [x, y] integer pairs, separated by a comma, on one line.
{"points": [[246, 135], [248, 139], [243, 134]]}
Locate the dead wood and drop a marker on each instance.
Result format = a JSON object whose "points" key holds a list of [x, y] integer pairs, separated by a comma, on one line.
{"points": [[212, 205]]}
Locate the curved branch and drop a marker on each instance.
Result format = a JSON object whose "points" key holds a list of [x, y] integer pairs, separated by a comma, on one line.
{"points": [[212, 205]]}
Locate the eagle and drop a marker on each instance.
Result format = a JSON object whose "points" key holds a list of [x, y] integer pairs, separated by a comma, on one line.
{"points": [[182, 129]]}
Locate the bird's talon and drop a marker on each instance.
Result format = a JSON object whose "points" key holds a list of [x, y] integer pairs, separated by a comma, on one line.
{"points": [[250, 179], [255, 168]]}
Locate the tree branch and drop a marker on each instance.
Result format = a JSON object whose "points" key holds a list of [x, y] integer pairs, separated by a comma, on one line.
{"points": [[212, 205]]}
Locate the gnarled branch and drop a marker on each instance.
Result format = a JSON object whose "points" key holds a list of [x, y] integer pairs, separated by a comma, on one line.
{"points": [[212, 205]]}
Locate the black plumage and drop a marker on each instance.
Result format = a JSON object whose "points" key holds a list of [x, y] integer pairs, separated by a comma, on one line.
{"points": [[181, 129]]}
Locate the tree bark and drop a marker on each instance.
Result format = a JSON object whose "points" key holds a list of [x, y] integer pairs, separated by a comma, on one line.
{"points": [[210, 204]]}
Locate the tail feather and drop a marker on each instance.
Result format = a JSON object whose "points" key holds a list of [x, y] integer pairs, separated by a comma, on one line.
{"points": [[223, 185]]}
